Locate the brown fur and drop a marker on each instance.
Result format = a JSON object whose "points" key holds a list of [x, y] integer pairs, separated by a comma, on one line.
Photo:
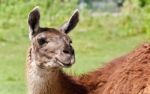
{"points": [[129, 74], [97, 79]]}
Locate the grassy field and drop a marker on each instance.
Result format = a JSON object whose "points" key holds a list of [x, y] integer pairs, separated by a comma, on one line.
{"points": [[94, 42]]}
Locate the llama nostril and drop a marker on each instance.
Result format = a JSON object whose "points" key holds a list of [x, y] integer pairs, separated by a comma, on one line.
{"points": [[66, 52], [72, 52]]}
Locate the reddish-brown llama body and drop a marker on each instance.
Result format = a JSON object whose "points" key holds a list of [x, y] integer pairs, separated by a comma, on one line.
{"points": [[129, 74]]}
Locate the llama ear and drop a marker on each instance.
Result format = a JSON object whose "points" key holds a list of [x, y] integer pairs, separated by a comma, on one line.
{"points": [[67, 27], [33, 21]]}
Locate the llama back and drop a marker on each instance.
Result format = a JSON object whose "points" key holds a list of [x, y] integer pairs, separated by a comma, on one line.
{"points": [[129, 74], [133, 76], [96, 81]]}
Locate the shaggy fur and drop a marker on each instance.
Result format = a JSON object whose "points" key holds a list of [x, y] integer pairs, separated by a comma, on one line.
{"points": [[129, 74]]}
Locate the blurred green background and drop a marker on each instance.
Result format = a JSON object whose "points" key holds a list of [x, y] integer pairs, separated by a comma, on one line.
{"points": [[107, 29]]}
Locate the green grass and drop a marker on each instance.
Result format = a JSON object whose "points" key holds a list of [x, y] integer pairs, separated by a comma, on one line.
{"points": [[96, 40], [12, 65]]}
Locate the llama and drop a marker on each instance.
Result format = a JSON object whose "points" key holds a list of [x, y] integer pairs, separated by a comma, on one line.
{"points": [[51, 51]]}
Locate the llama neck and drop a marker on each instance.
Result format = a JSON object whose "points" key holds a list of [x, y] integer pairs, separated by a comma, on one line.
{"points": [[42, 82], [53, 81]]}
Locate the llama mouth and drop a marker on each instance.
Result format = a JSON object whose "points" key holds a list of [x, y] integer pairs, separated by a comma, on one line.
{"points": [[62, 63]]}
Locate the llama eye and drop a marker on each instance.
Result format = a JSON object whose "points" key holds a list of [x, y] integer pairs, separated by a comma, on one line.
{"points": [[42, 41], [70, 41]]}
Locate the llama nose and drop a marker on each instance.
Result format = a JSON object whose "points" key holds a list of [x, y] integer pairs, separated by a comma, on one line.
{"points": [[68, 50]]}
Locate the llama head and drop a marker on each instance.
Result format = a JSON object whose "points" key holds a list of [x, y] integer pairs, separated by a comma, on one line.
{"points": [[51, 48]]}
